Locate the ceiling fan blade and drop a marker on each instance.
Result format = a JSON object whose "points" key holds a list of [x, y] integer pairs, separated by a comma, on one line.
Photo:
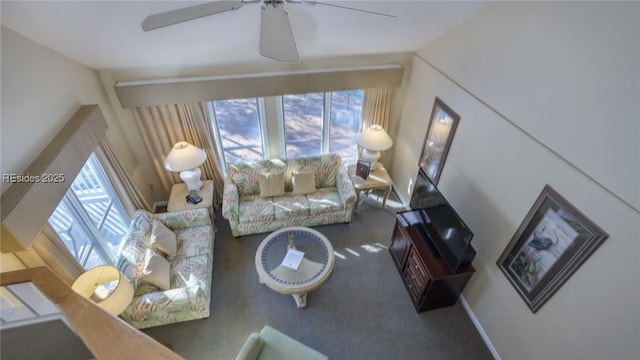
{"points": [[192, 12], [311, 2], [276, 35]]}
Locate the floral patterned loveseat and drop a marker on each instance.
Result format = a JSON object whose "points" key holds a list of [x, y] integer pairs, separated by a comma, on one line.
{"points": [[189, 293], [248, 213]]}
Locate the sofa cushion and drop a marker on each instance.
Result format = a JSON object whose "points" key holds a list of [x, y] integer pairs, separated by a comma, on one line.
{"points": [[190, 271], [291, 206], [271, 183], [325, 200], [193, 241], [156, 270], [162, 239], [254, 208], [303, 181]]}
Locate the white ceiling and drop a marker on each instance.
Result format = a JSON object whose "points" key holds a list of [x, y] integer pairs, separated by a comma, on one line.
{"points": [[107, 34]]}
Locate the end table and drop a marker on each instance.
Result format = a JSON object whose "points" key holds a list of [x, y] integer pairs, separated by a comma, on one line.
{"points": [[378, 179], [178, 201]]}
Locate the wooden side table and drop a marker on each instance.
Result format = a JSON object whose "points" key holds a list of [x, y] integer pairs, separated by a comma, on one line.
{"points": [[378, 179], [178, 201]]}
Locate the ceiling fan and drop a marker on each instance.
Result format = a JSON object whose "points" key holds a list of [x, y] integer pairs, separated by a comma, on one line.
{"points": [[276, 34]]}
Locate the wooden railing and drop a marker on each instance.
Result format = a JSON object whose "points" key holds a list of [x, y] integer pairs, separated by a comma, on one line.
{"points": [[106, 336]]}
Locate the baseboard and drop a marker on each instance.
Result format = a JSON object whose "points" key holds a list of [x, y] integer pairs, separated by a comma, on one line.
{"points": [[478, 326]]}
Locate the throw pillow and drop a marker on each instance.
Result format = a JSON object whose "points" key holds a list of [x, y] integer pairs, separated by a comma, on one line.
{"points": [[304, 182], [271, 183], [157, 270], [163, 239]]}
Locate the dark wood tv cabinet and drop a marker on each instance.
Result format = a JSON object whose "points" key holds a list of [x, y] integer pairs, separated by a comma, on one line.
{"points": [[428, 280]]}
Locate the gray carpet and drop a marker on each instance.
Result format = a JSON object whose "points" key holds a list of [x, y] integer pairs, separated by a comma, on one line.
{"points": [[362, 312]]}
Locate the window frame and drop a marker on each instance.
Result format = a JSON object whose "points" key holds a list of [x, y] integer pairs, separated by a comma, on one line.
{"points": [[326, 122], [271, 116], [262, 124], [81, 217]]}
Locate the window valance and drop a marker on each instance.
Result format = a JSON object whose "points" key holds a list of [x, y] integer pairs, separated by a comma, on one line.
{"points": [[196, 89]]}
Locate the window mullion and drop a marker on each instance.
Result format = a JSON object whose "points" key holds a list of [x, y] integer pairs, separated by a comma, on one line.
{"points": [[326, 122], [262, 122], [105, 216]]}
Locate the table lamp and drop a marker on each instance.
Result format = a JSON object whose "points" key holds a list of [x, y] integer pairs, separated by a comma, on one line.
{"points": [[373, 140], [186, 159], [105, 286]]}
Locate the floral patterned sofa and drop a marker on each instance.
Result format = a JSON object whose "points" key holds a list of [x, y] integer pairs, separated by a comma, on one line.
{"points": [[248, 213], [189, 273]]}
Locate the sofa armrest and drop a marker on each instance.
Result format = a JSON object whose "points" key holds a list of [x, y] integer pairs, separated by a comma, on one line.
{"points": [[251, 348], [345, 187], [230, 201], [278, 345], [161, 307], [185, 218]]}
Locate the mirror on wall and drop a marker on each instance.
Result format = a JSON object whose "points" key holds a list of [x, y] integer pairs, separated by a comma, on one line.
{"points": [[442, 127]]}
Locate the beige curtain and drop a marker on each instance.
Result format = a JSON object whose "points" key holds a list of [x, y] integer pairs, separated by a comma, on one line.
{"points": [[376, 109], [128, 193], [164, 125]]}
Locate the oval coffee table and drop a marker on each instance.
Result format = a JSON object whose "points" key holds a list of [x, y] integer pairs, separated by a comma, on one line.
{"points": [[314, 269]]}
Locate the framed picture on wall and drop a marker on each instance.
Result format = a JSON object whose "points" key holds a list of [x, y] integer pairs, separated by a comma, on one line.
{"points": [[442, 127], [552, 242]]}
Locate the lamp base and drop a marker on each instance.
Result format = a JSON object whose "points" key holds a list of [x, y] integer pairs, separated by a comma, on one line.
{"points": [[372, 156], [192, 179]]}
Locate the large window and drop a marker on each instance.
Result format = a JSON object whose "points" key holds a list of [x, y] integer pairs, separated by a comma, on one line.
{"points": [[309, 124], [90, 219], [321, 123], [346, 110], [303, 124], [238, 128]]}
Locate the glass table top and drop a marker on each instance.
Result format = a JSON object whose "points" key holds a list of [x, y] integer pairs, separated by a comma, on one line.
{"points": [[315, 246]]}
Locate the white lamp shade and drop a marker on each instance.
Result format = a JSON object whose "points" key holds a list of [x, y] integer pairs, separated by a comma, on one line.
{"points": [[105, 286], [374, 138], [184, 156]]}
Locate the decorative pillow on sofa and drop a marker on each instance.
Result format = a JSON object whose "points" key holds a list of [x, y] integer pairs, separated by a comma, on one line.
{"points": [[304, 182], [156, 270], [163, 239], [271, 183]]}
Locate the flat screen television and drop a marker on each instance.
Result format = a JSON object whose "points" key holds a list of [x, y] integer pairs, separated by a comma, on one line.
{"points": [[447, 236]]}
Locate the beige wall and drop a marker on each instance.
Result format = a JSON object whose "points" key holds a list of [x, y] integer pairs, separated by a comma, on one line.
{"points": [[41, 90], [530, 81]]}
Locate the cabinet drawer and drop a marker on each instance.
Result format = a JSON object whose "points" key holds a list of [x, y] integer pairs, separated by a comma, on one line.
{"points": [[414, 289], [415, 276], [417, 269]]}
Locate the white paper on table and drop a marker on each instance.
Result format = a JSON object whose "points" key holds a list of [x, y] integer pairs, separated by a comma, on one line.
{"points": [[292, 259]]}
